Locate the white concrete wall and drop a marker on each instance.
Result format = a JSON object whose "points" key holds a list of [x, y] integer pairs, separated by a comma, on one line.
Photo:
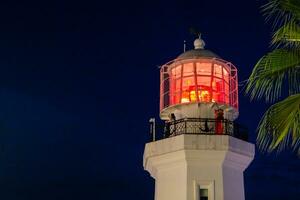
{"points": [[183, 163], [172, 180], [233, 183]]}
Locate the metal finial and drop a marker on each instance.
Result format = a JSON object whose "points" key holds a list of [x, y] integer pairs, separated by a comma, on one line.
{"points": [[199, 35]]}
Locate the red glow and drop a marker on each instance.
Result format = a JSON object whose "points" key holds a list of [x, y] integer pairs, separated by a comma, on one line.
{"points": [[190, 95], [197, 80]]}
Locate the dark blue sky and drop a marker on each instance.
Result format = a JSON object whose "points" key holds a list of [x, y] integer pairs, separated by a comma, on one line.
{"points": [[79, 81]]}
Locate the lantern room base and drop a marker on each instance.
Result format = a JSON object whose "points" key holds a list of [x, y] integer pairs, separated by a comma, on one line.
{"points": [[198, 110], [185, 164]]}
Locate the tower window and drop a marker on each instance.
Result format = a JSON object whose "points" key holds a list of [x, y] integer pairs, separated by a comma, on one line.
{"points": [[204, 190], [203, 194]]}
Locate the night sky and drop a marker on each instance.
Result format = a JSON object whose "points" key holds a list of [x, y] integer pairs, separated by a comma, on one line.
{"points": [[79, 81]]}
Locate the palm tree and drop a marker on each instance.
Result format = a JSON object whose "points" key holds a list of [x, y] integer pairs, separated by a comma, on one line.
{"points": [[277, 74]]}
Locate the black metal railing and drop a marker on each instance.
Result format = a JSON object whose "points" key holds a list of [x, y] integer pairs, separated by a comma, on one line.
{"points": [[204, 126]]}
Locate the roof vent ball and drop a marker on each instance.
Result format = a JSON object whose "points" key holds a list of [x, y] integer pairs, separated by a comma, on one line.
{"points": [[199, 43]]}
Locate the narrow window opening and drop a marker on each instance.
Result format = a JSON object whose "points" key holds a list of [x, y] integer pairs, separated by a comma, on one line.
{"points": [[203, 194]]}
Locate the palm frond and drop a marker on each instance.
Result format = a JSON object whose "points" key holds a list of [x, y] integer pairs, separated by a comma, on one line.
{"points": [[280, 125], [291, 6], [281, 11], [271, 71], [287, 35]]}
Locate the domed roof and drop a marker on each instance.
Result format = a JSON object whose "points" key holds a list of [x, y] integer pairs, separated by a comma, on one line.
{"points": [[198, 53]]}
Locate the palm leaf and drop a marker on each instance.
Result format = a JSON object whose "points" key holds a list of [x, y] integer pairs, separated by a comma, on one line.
{"points": [[291, 6], [287, 35], [282, 11], [280, 125], [271, 71]]}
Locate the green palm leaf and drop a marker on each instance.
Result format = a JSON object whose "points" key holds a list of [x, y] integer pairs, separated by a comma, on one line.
{"points": [[279, 126], [288, 35], [282, 11], [290, 6], [269, 74]]}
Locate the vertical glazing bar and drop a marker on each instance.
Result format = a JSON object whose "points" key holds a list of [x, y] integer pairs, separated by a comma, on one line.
{"points": [[223, 85], [166, 88], [161, 88], [231, 103], [211, 81], [232, 87], [172, 82], [181, 79], [168, 84], [196, 83], [237, 89]]}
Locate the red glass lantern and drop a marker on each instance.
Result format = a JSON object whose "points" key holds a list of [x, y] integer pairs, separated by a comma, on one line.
{"points": [[198, 77]]}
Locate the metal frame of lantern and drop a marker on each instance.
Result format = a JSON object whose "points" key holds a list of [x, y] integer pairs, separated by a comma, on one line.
{"points": [[171, 97]]}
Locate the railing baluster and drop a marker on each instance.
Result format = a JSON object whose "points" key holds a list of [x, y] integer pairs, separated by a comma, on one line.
{"points": [[205, 126], [185, 126]]}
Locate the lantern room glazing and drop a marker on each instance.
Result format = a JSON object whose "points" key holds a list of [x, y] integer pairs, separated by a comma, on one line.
{"points": [[199, 80]]}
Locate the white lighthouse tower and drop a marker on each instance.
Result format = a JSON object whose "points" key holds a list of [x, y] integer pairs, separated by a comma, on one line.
{"points": [[204, 153]]}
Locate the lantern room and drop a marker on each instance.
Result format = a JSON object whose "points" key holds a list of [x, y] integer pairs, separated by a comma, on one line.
{"points": [[197, 83]]}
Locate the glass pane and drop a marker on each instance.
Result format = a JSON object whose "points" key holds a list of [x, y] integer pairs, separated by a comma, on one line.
{"points": [[187, 82], [175, 98], [185, 97], [176, 85], [219, 86], [227, 89], [218, 90], [226, 74], [203, 81], [193, 96], [188, 69], [204, 68], [215, 97], [226, 99], [218, 71], [204, 94], [176, 72], [188, 90], [204, 89]]}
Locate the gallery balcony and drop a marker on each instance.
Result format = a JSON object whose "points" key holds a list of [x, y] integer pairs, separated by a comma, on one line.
{"points": [[202, 126]]}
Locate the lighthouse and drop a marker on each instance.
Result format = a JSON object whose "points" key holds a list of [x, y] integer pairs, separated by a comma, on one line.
{"points": [[203, 153]]}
